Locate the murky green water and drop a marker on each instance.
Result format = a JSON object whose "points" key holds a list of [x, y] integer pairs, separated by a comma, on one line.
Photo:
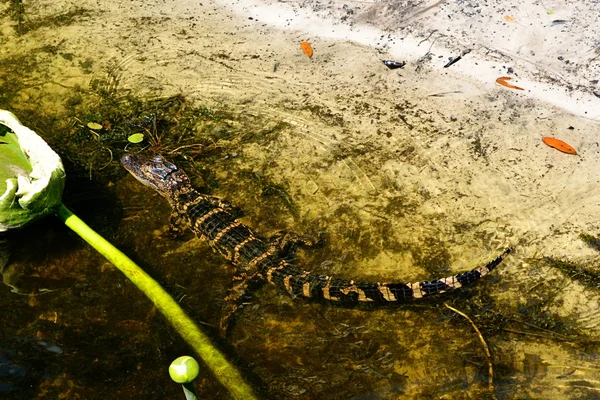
{"points": [[403, 186]]}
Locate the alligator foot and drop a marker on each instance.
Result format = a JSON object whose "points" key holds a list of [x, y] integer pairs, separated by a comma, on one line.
{"points": [[286, 243]]}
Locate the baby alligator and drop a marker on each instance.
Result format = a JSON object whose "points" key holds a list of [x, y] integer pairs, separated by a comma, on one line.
{"points": [[209, 219]]}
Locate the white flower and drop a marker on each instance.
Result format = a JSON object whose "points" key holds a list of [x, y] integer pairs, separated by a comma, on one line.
{"points": [[32, 176]]}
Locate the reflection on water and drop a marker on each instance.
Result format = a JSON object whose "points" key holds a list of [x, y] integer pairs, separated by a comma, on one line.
{"points": [[406, 186]]}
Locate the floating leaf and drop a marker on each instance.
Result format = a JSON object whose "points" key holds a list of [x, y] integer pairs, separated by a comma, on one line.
{"points": [[93, 125], [136, 138], [559, 145], [307, 49], [509, 18]]}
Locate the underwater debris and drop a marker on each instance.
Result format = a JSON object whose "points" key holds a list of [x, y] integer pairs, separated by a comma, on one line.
{"points": [[456, 59], [586, 276], [391, 64], [590, 240]]}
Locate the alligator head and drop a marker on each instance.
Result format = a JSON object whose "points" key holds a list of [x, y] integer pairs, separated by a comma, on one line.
{"points": [[156, 173]]}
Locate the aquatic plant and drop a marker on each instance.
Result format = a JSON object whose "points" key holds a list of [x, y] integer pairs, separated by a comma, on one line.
{"points": [[32, 179]]}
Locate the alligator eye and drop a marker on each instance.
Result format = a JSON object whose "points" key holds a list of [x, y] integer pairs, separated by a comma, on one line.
{"points": [[162, 173], [158, 158], [171, 167]]}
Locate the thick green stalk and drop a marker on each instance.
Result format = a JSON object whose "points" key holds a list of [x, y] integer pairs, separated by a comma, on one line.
{"points": [[213, 358]]}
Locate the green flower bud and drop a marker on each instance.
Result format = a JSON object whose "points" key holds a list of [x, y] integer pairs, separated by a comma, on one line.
{"points": [[184, 369]]}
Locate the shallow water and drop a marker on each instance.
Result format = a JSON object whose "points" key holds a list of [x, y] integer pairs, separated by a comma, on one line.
{"points": [[411, 174]]}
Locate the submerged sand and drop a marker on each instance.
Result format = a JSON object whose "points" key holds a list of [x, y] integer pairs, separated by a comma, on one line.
{"points": [[419, 157]]}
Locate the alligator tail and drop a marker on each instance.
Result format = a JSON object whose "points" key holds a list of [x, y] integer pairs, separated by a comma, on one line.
{"points": [[305, 284]]}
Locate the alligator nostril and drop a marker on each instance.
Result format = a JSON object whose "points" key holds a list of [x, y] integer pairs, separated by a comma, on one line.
{"points": [[127, 158]]}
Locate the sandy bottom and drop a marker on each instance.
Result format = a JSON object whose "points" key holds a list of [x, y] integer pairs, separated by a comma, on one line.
{"points": [[386, 161]]}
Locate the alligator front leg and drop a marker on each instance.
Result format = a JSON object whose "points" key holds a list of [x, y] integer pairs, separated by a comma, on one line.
{"points": [[218, 203], [177, 225]]}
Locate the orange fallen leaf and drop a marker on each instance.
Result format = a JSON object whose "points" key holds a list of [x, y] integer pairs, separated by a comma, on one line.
{"points": [[509, 18], [559, 145], [502, 81], [307, 49]]}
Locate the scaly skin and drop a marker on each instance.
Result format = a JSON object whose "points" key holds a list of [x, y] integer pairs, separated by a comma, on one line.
{"points": [[207, 218]]}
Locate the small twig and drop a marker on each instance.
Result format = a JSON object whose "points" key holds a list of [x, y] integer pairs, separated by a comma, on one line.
{"points": [[485, 347], [432, 32], [432, 43], [109, 161], [551, 333], [442, 94], [526, 333], [184, 147], [597, 51]]}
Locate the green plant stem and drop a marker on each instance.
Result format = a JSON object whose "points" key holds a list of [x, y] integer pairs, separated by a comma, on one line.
{"points": [[213, 358]]}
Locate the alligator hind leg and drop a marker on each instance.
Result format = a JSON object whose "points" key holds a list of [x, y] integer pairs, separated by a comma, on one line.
{"points": [[286, 243], [242, 290]]}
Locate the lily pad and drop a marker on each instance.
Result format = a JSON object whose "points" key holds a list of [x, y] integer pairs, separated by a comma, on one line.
{"points": [[136, 138]]}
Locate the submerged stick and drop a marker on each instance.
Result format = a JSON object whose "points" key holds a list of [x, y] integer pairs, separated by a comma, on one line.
{"points": [[183, 324], [485, 347]]}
